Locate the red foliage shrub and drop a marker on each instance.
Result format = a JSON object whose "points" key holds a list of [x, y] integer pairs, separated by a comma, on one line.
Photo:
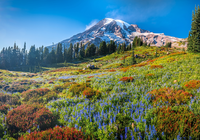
{"points": [[173, 97], [156, 66], [193, 84], [89, 92], [126, 79], [112, 70], [90, 76], [26, 117], [171, 121], [4, 109], [57, 133]]}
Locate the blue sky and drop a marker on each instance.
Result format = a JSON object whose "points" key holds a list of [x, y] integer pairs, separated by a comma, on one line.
{"points": [[42, 22]]}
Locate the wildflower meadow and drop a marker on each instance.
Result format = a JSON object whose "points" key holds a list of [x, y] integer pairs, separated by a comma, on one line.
{"points": [[155, 99]]}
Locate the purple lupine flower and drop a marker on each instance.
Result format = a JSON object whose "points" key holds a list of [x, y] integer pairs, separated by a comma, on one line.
{"points": [[150, 128], [135, 129], [121, 136], [99, 125], [132, 137], [178, 137], [111, 120], [126, 132]]}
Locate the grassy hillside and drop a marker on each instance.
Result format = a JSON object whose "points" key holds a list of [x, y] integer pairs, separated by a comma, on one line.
{"points": [[157, 98]]}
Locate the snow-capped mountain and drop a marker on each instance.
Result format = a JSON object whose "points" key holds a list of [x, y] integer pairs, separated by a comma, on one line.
{"points": [[119, 31]]}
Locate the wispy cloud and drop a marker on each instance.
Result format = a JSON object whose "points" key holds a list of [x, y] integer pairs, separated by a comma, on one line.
{"points": [[92, 23]]}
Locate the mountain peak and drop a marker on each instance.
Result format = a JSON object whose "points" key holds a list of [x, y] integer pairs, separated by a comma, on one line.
{"points": [[118, 31], [118, 21]]}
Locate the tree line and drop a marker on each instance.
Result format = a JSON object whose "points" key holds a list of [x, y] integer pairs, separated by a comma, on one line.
{"points": [[11, 57]]}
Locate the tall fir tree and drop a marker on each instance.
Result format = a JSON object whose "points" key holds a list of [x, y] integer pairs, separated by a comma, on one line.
{"points": [[65, 54], [102, 48], [52, 56], [70, 53], [59, 55], [32, 56], [133, 58], [90, 51], [46, 56], [76, 50], [135, 42], [82, 51], [194, 34], [123, 47]]}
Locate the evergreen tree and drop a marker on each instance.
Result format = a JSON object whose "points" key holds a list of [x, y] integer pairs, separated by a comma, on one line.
{"points": [[37, 57], [119, 49], [133, 58], [97, 51], [156, 54], [90, 51], [102, 48], [135, 43], [70, 53], [194, 34], [123, 47], [112, 47], [46, 56], [14, 56], [59, 55], [76, 50], [32, 56], [82, 51], [65, 54], [52, 56], [24, 51], [139, 42], [129, 47]]}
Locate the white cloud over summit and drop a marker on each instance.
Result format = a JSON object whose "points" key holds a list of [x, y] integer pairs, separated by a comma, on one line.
{"points": [[92, 23]]}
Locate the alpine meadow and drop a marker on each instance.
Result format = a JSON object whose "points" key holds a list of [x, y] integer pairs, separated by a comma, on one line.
{"points": [[114, 80]]}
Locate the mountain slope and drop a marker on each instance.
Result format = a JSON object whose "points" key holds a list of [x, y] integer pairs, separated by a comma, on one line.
{"points": [[119, 31]]}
